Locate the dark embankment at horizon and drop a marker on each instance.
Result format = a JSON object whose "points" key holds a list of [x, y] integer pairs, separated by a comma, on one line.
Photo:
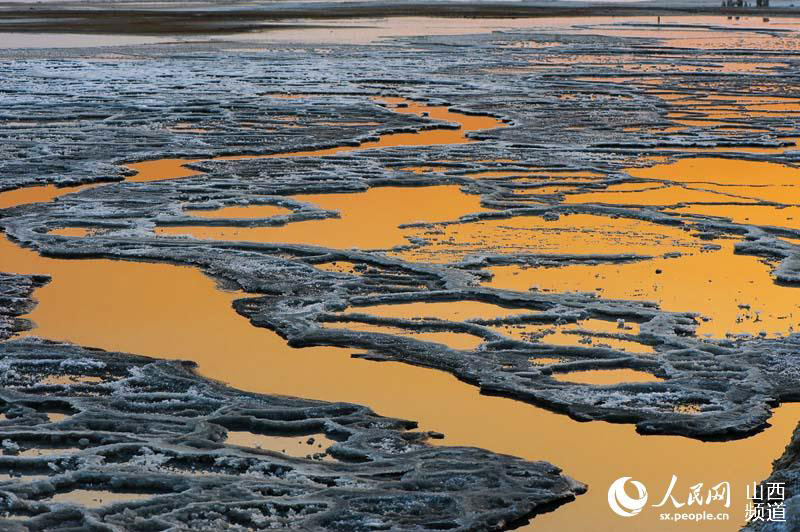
{"points": [[211, 18]]}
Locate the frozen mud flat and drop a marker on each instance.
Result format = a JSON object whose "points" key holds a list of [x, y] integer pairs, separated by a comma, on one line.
{"points": [[577, 133]]}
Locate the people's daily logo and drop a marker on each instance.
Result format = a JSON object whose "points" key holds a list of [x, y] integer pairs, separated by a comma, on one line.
{"points": [[621, 503]]}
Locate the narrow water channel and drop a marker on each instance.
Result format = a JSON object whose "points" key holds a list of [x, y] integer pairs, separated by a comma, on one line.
{"points": [[169, 311]]}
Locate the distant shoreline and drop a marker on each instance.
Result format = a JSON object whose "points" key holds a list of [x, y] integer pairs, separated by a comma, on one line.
{"points": [[185, 19]]}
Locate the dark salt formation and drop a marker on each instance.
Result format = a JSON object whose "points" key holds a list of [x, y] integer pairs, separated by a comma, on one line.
{"points": [[15, 301], [783, 357], [90, 117], [155, 431]]}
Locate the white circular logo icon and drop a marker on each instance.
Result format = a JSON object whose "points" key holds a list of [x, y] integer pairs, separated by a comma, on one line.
{"points": [[621, 503]]}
